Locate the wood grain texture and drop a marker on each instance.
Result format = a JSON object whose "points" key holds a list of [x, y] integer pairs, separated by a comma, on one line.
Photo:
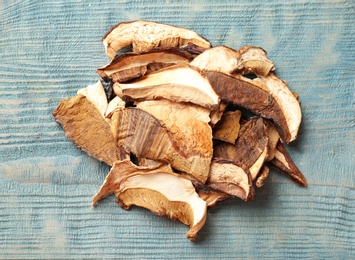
{"points": [[49, 49]]}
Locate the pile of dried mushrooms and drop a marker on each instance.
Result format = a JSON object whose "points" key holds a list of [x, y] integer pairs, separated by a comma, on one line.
{"points": [[183, 124]]}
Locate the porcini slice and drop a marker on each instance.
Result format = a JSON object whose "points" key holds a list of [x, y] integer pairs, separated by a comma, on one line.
{"points": [[97, 96], [288, 104], [146, 35], [179, 83], [250, 149], [284, 164], [162, 192], [145, 136], [86, 127], [231, 179], [249, 59], [227, 128], [255, 96], [189, 128], [132, 65]]}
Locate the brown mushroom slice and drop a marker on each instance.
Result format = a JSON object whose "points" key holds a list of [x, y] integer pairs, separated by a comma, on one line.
{"points": [[86, 127], [250, 149], [165, 195], [179, 83], [146, 35], [224, 59], [129, 66], [145, 136], [284, 164], [212, 197], [227, 128], [189, 128], [264, 173], [288, 104], [230, 179], [255, 96]]}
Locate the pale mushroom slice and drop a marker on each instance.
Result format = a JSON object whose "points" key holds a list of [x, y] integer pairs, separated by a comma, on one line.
{"points": [[162, 192], [179, 83], [231, 179], [85, 126], [259, 98], [288, 103], [227, 128], [146, 35], [248, 59], [96, 94], [251, 148], [132, 65], [284, 164], [145, 136]]}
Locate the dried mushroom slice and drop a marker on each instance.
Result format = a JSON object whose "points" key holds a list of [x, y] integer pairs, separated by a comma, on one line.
{"points": [[145, 136], [84, 124], [250, 149], [179, 83], [284, 164], [212, 197], [227, 128], [231, 179], [146, 35], [188, 126], [255, 96], [162, 192], [264, 173], [249, 59], [288, 104], [115, 104], [132, 65]]}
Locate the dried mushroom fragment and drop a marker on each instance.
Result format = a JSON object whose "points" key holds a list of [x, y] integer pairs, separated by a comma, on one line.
{"points": [[145, 136], [255, 96], [288, 104], [284, 164], [250, 149], [115, 103], [231, 179], [179, 83], [189, 129], [227, 128], [264, 173], [145, 36], [249, 59], [193, 49], [162, 192], [212, 197], [84, 124], [129, 66]]}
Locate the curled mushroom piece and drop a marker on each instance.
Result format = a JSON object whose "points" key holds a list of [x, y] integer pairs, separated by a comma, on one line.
{"points": [[231, 179], [249, 59], [132, 65], [146, 35], [179, 83], [163, 193]]}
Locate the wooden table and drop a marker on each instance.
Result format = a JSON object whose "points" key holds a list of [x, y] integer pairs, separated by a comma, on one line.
{"points": [[50, 49]]}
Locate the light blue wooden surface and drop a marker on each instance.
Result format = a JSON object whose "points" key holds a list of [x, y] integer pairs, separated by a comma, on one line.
{"points": [[49, 49]]}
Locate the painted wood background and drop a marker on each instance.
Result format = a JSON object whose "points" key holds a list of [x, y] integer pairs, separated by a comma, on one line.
{"points": [[49, 49]]}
